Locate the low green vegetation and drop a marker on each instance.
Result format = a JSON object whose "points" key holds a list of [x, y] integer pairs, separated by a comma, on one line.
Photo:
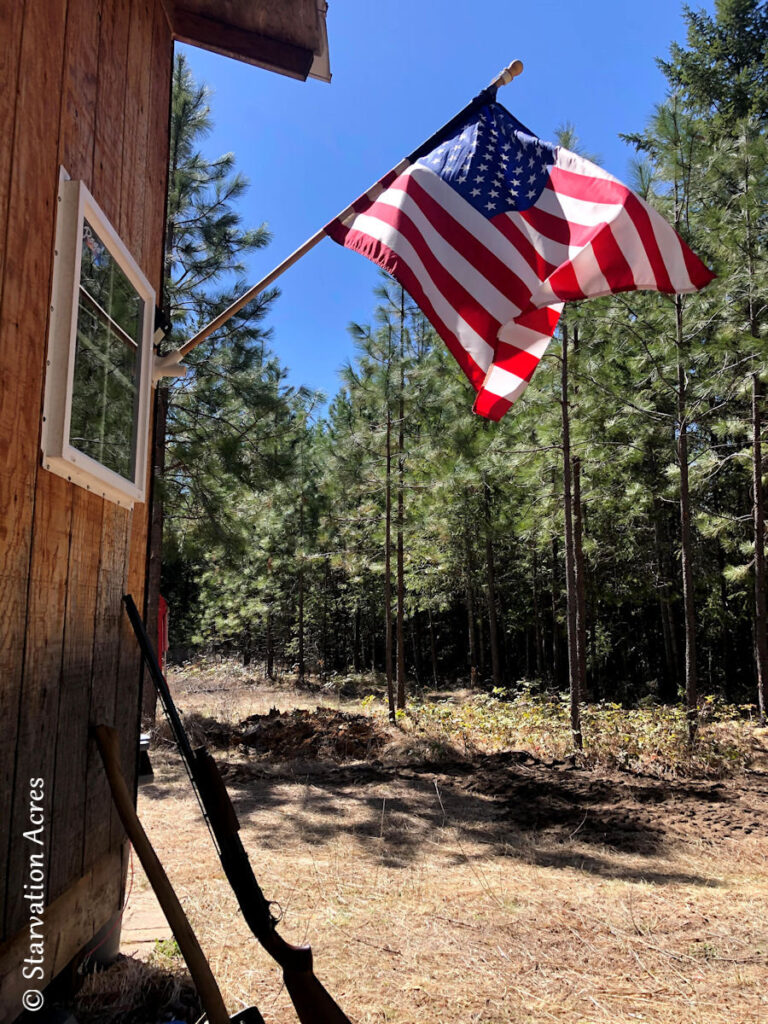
{"points": [[166, 953], [649, 739]]}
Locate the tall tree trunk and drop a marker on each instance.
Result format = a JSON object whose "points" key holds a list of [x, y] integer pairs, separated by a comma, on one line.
{"points": [[667, 690], [671, 672], [491, 590], [471, 637], [433, 648], [579, 571], [401, 514], [555, 624], [270, 647], [537, 618], [373, 634], [761, 641], [356, 640], [416, 643], [594, 680], [480, 633], [400, 566], [578, 557], [758, 508], [471, 632], [570, 570], [388, 570], [324, 634], [302, 661], [758, 517], [247, 646], [727, 651], [689, 615]]}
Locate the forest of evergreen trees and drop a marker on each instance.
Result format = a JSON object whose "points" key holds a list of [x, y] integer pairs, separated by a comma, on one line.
{"points": [[612, 522]]}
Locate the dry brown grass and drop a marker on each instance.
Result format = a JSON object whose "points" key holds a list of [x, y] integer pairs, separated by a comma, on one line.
{"points": [[132, 991], [425, 904]]}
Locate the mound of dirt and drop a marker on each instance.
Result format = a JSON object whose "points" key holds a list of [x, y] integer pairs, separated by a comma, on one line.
{"points": [[322, 733], [201, 730]]}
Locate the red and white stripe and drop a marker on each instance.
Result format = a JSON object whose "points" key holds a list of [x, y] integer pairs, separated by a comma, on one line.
{"points": [[494, 289]]}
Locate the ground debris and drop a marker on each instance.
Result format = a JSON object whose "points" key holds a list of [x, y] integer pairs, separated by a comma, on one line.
{"points": [[131, 991], [322, 733]]}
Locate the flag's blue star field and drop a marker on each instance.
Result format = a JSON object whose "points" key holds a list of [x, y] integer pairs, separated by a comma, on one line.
{"points": [[493, 162]]}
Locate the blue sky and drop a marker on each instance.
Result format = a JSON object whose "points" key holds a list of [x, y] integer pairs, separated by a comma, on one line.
{"points": [[401, 68]]}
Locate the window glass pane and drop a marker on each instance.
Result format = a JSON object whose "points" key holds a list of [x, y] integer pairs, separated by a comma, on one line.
{"points": [[106, 283], [105, 388]]}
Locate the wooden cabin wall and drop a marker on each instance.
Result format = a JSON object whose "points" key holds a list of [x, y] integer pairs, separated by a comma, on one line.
{"points": [[83, 84]]}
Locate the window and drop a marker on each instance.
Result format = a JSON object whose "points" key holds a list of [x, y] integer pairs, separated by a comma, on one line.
{"points": [[96, 410]]}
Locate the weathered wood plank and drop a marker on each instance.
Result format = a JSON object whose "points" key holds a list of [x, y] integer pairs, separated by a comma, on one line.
{"points": [[136, 132], [12, 559], [157, 152], [38, 715], [69, 783], [110, 107], [77, 132], [11, 21], [23, 323], [106, 660], [74, 918]]}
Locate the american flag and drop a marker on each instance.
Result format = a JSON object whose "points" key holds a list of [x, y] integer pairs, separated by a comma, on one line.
{"points": [[492, 230]]}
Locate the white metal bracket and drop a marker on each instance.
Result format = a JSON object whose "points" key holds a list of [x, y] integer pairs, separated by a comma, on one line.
{"points": [[169, 365]]}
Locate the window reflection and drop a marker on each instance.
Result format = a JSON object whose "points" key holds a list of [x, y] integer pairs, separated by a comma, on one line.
{"points": [[105, 394]]}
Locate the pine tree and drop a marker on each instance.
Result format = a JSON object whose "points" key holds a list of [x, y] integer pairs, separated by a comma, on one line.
{"points": [[722, 76], [223, 417]]}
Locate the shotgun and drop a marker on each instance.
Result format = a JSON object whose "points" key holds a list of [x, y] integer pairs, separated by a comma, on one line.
{"points": [[312, 1003]]}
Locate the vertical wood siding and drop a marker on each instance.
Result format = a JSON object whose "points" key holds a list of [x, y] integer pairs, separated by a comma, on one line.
{"points": [[35, 537], [85, 84], [12, 559]]}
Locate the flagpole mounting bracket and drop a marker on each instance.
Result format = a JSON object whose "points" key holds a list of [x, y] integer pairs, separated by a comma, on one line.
{"points": [[169, 365]]}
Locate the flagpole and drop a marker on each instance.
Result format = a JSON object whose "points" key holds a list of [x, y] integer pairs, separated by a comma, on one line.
{"points": [[170, 365]]}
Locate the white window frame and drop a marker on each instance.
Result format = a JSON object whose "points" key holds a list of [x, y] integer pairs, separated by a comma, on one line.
{"points": [[75, 203]]}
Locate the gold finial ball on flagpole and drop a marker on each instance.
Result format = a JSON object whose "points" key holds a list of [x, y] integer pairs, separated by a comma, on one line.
{"points": [[511, 71]]}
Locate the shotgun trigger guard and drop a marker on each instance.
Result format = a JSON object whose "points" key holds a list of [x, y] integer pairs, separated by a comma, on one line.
{"points": [[276, 918]]}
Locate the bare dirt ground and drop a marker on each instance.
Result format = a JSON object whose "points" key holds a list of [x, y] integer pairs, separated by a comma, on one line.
{"points": [[486, 889]]}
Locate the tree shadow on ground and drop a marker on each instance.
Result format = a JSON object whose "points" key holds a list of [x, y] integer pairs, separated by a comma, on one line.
{"points": [[508, 804]]}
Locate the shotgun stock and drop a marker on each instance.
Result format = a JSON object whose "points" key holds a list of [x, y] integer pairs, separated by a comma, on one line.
{"points": [[312, 1003]]}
